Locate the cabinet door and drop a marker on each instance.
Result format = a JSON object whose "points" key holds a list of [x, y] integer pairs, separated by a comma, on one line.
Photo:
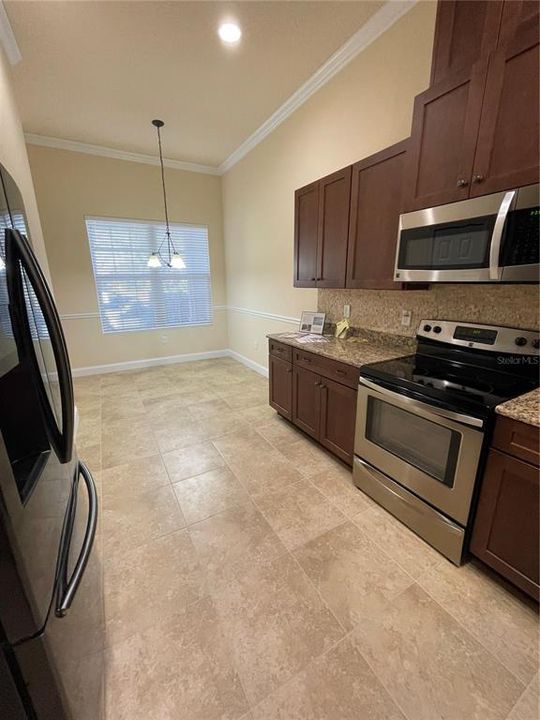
{"points": [[376, 202], [306, 223], [443, 141], [465, 31], [508, 149], [334, 203], [516, 16], [505, 531], [306, 401], [280, 386], [338, 417]]}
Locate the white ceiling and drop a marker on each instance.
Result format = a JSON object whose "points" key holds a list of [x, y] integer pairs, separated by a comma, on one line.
{"points": [[99, 72]]}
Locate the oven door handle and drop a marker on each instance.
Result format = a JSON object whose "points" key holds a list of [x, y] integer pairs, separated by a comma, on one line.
{"points": [[449, 414], [496, 238]]}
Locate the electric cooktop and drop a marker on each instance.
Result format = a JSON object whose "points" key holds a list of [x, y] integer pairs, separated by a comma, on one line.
{"points": [[460, 373]]}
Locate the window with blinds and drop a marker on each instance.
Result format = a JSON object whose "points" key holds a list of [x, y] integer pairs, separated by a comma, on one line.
{"points": [[132, 296], [38, 327]]}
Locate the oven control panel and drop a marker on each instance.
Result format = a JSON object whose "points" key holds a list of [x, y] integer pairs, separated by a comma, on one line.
{"points": [[495, 338]]}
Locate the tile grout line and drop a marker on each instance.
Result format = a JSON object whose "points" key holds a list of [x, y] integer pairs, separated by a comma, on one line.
{"points": [[527, 686], [476, 639], [288, 552], [448, 612], [303, 669]]}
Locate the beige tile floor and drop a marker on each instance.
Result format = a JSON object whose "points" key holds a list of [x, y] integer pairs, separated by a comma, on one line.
{"points": [[284, 592]]}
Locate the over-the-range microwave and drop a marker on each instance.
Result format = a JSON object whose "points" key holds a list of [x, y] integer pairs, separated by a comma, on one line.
{"points": [[493, 238]]}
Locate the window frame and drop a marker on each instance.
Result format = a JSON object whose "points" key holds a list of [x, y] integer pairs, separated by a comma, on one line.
{"points": [[152, 272]]}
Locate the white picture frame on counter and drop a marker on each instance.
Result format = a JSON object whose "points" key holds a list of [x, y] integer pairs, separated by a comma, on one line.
{"points": [[312, 322]]}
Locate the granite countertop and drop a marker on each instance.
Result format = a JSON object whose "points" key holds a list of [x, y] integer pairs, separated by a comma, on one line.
{"points": [[525, 408], [355, 351]]}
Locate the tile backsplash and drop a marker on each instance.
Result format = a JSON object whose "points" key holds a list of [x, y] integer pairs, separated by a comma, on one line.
{"points": [[513, 305]]}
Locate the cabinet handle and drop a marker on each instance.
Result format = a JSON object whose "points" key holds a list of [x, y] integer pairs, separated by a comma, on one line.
{"points": [[340, 372], [317, 384], [313, 279], [319, 279], [289, 370], [478, 178], [322, 385], [462, 182]]}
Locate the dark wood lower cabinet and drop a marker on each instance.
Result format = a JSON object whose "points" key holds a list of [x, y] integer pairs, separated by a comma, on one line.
{"points": [[506, 528], [338, 417], [322, 407], [280, 386], [306, 401]]}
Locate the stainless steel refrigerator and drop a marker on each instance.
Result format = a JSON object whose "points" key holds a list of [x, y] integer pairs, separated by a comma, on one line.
{"points": [[51, 600]]}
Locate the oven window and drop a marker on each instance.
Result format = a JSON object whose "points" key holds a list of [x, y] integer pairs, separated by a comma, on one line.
{"points": [[428, 446], [449, 246]]}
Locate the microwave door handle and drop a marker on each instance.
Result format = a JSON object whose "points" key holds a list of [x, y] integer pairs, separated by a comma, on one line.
{"points": [[496, 238], [19, 253]]}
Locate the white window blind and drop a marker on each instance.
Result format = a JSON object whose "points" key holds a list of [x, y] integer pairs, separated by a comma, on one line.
{"points": [[132, 296], [38, 327]]}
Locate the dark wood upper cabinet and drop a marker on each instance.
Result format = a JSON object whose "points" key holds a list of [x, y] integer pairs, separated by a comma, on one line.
{"points": [[517, 15], [338, 418], [507, 151], [280, 385], [334, 205], [476, 130], [306, 228], [465, 31], [443, 139], [376, 202], [321, 226]]}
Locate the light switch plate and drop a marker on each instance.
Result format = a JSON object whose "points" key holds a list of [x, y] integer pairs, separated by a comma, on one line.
{"points": [[346, 311], [406, 318]]}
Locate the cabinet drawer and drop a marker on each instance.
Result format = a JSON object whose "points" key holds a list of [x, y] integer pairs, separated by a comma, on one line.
{"points": [[517, 439], [280, 350], [331, 369]]}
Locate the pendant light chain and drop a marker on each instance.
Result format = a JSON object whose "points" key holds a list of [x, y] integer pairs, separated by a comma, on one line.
{"points": [[164, 195], [156, 259]]}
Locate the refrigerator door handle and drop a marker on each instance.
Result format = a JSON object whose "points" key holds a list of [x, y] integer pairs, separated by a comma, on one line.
{"points": [[19, 255], [68, 588]]}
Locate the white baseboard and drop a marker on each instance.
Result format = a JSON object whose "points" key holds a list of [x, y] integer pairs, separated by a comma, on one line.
{"points": [[149, 362], [251, 364], [168, 360]]}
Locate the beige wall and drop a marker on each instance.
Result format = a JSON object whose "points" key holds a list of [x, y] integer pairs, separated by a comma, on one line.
{"points": [[71, 185], [14, 158], [363, 109]]}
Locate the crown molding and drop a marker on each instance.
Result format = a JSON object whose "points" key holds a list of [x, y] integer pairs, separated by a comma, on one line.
{"points": [[7, 38], [378, 23], [102, 151]]}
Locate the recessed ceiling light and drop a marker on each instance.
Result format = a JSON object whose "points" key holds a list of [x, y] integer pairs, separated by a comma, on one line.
{"points": [[229, 33]]}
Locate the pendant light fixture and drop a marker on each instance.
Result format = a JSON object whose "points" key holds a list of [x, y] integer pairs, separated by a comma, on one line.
{"points": [[172, 258]]}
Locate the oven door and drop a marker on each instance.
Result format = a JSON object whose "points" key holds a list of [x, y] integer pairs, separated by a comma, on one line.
{"points": [[432, 452], [460, 242]]}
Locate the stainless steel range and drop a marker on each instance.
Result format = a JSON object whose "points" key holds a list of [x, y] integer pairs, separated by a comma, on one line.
{"points": [[424, 421]]}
